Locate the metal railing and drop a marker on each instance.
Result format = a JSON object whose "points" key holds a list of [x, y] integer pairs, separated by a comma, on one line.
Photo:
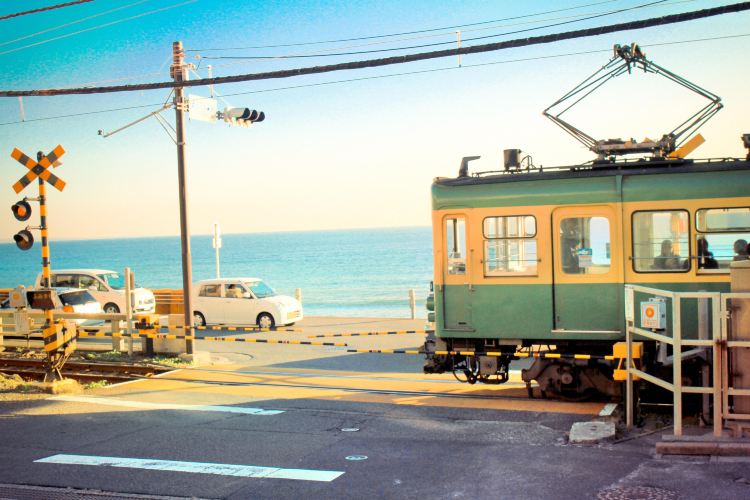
{"points": [[715, 336], [727, 344]]}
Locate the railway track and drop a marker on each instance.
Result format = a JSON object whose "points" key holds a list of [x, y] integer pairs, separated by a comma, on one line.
{"points": [[81, 370]]}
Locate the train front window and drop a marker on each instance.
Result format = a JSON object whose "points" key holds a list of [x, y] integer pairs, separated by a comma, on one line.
{"points": [[585, 245], [722, 237], [510, 246], [661, 241], [455, 243]]}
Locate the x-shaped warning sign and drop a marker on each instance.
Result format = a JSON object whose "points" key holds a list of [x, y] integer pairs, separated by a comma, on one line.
{"points": [[39, 169]]}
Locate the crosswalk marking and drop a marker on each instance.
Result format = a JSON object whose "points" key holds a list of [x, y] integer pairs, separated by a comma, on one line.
{"points": [[195, 467], [165, 406]]}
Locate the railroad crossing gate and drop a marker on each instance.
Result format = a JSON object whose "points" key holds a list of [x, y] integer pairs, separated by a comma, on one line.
{"points": [[59, 341]]}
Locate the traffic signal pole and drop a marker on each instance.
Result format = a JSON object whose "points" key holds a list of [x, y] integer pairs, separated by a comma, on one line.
{"points": [[178, 71]]}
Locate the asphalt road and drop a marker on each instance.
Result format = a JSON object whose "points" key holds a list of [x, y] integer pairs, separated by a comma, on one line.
{"points": [[290, 421]]}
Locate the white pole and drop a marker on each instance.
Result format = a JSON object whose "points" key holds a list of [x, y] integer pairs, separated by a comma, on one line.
{"points": [[413, 303], [298, 294], [217, 246], [129, 282]]}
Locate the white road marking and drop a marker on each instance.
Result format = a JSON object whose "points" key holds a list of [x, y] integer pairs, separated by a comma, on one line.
{"points": [[608, 410], [171, 372], [165, 406], [195, 467]]}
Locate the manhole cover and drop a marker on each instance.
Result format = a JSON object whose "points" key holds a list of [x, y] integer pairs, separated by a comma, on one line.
{"points": [[356, 457], [637, 493]]}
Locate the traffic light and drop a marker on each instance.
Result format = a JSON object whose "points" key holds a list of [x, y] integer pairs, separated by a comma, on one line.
{"points": [[243, 117], [24, 239], [21, 210]]}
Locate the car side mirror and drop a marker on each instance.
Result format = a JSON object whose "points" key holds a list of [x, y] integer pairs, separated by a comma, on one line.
{"points": [[92, 288], [246, 295]]}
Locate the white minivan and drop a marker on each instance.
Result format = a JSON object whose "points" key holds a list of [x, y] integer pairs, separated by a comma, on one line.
{"points": [[242, 301], [107, 287]]}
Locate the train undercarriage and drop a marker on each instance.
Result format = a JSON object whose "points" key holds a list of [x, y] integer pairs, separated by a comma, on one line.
{"points": [[558, 371], [572, 371]]}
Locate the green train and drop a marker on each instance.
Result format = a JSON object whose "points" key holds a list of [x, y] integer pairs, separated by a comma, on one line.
{"points": [[531, 258]]}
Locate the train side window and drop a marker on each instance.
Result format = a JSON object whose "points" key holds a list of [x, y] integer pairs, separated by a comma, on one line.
{"points": [[722, 237], [585, 245], [455, 243], [661, 241], [510, 246]]}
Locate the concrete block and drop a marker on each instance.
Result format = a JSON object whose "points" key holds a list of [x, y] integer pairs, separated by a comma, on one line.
{"points": [[165, 346], [591, 432], [198, 358]]}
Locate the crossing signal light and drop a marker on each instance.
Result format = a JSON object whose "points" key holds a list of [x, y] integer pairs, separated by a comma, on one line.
{"points": [[243, 117], [24, 239], [21, 210]]}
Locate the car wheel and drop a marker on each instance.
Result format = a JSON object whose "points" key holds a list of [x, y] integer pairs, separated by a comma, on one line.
{"points": [[265, 320], [111, 308], [198, 319]]}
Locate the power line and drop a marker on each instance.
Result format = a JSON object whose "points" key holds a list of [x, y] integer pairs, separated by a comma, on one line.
{"points": [[43, 9], [55, 28], [428, 30], [443, 34], [436, 44], [478, 65], [97, 27], [390, 75], [85, 113], [407, 58]]}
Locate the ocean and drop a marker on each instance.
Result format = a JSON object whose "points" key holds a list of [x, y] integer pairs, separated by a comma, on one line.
{"points": [[354, 272]]}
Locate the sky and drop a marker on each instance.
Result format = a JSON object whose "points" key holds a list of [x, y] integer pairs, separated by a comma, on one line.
{"points": [[349, 149]]}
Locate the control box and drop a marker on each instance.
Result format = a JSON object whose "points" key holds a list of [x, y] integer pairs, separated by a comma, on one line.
{"points": [[654, 314]]}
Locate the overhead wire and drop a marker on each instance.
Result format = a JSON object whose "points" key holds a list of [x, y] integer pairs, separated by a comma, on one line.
{"points": [[401, 59], [422, 37], [84, 113], [372, 37], [65, 25], [67, 35], [478, 65], [436, 44], [44, 9], [390, 75]]}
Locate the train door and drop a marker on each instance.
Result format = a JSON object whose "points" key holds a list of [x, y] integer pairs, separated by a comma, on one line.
{"points": [[456, 288], [587, 292]]}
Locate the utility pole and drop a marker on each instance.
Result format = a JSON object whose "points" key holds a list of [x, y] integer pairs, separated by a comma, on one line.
{"points": [[178, 72]]}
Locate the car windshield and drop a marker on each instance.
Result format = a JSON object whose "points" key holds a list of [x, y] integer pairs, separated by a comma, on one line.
{"points": [[260, 289], [114, 280], [76, 298]]}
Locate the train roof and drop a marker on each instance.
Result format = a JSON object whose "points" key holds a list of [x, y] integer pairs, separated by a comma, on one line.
{"points": [[649, 179], [647, 166]]}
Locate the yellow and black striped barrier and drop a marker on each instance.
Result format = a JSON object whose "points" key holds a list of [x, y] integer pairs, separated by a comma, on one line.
{"points": [[547, 355], [252, 329], [210, 339], [365, 334], [518, 354]]}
